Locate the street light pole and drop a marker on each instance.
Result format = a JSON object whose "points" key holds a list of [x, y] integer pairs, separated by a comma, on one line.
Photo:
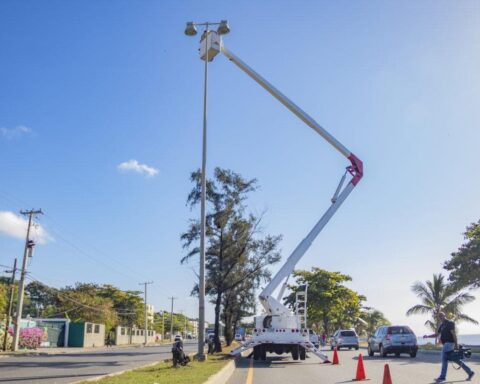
{"points": [[191, 31], [201, 285]]}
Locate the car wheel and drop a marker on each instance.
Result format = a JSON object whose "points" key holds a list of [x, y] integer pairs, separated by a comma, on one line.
{"points": [[356, 348], [413, 354], [349, 348], [383, 352], [370, 352]]}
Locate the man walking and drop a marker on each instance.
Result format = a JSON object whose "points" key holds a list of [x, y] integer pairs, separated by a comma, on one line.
{"points": [[448, 338]]}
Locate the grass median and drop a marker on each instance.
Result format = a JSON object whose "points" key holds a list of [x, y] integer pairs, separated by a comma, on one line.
{"points": [[194, 372]]}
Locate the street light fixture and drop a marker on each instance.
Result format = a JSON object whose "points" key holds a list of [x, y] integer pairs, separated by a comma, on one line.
{"points": [[207, 42]]}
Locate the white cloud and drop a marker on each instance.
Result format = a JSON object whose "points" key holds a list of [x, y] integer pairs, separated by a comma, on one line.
{"points": [[135, 166], [16, 132], [16, 226]]}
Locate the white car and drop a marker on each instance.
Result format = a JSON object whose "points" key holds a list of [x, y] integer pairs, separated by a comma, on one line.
{"points": [[344, 338]]}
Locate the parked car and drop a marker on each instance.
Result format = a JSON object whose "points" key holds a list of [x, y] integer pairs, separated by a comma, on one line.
{"points": [[314, 339], [238, 337], [393, 339], [344, 338]]}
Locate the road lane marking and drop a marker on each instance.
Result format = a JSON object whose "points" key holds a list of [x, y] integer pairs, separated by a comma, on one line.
{"points": [[250, 373]]}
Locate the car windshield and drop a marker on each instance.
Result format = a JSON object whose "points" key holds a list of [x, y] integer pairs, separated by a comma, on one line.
{"points": [[399, 331], [348, 333]]}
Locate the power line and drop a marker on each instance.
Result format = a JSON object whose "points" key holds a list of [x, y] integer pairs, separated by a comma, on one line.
{"points": [[57, 229]]}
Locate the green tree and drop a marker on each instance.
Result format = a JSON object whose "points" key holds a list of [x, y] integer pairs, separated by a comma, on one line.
{"points": [[43, 301], [83, 303], [234, 250], [438, 295], [330, 304], [464, 265]]}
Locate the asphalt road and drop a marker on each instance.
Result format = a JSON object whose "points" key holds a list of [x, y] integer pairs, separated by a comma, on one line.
{"points": [[404, 370], [67, 368]]}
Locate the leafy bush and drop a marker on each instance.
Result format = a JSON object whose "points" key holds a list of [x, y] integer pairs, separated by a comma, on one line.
{"points": [[30, 338], [2, 335]]}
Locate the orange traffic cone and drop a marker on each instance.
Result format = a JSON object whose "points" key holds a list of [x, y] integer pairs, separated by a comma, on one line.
{"points": [[360, 369], [387, 379], [335, 356]]}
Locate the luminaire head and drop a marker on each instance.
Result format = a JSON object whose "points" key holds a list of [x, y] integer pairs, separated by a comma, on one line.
{"points": [[190, 29], [223, 28]]}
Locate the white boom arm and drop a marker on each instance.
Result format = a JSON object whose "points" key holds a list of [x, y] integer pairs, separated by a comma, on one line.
{"points": [[272, 305]]}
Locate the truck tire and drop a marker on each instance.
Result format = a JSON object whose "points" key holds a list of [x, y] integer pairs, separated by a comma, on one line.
{"points": [[256, 352], [263, 352], [295, 352], [267, 322], [303, 353]]}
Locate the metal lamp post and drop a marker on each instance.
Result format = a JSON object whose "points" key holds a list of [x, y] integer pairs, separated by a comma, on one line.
{"points": [[191, 30]]}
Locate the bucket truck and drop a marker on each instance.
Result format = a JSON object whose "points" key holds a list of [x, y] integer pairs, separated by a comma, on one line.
{"points": [[280, 330]]}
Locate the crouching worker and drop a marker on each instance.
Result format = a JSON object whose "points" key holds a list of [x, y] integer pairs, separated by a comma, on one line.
{"points": [[178, 356]]}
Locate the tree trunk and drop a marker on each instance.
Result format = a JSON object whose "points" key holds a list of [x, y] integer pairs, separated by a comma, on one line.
{"points": [[218, 302]]}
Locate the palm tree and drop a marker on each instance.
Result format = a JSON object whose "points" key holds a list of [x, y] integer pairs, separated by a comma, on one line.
{"points": [[370, 319], [438, 295]]}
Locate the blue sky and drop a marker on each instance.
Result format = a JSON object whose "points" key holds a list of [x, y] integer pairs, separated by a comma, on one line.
{"points": [[87, 86]]}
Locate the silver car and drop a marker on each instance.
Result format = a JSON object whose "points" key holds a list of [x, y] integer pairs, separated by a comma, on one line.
{"points": [[344, 338], [395, 339]]}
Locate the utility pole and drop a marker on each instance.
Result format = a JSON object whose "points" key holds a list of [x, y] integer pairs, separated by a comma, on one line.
{"points": [[171, 318], [29, 244], [163, 326], [185, 326], [10, 304], [146, 314]]}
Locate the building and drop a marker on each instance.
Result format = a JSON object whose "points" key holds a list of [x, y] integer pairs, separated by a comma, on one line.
{"points": [[194, 325]]}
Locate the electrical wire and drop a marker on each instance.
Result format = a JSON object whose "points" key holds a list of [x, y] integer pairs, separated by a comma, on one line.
{"points": [[55, 226]]}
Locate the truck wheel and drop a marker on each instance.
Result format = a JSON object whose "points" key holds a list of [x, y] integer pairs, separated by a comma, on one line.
{"points": [[303, 353], [413, 354], [256, 352], [263, 353], [295, 352]]}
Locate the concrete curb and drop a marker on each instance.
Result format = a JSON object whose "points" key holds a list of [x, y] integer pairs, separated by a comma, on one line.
{"points": [[222, 376], [98, 378]]}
